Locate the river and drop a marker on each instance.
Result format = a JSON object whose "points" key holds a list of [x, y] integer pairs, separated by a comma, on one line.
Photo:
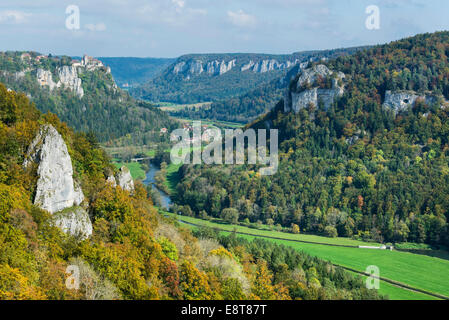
{"points": [[166, 201]]}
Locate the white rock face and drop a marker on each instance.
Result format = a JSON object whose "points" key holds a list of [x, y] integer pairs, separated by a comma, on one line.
{"points": [[217, 68], [45, 78], [68, 76], [400, 101], [196, 67], [75, 222], [302, 100], [56, 190], [310, 75], [247, 66], [125, 180], [111, 180], [179, 68], [296, 98], [268, 65]]}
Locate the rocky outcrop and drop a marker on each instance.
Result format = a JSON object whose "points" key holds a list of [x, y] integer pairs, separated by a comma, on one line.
{"points": [[68, 76], [45, 78], [74, 221], [124, 179], [111, 180], [400, 101], [217, 67], [56, 190], [267, 65], [297, 97]]}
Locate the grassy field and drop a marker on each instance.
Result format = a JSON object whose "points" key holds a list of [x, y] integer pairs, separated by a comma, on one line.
{"points": [[136, 169], [172, 177], [166, 106], [419, 271], [118, 152], [219, 124], [276, 234]]}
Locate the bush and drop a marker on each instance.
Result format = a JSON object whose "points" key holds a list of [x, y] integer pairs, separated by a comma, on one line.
{"points": [[230, 215], [330, 232], [295, 229]]}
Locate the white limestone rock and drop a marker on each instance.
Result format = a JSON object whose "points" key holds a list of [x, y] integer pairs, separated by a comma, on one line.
{"points": [[111, 180], [303, 99], [310, 75], [247, 66], [296, 98], [400, 101], [74, 221], [196, 67], [68, 76], [56, 190], [179, 68], [45, 78], [226, 67], [124, 179]]}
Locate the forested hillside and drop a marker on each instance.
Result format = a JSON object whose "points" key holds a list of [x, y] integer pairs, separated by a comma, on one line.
{"points": [[83, 94], [368, 166], [133, 252], [211, 77], [248, 106]]}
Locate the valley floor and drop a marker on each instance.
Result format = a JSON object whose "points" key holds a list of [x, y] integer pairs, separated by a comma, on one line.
{"points": [[415, 271]]}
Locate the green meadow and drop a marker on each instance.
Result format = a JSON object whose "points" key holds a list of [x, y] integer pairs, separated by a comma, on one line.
{"points": [[417, 271]]}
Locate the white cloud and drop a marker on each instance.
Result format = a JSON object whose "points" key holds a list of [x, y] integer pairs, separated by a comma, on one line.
{"points": [[13, 16], [242, 19], [96, 27]]}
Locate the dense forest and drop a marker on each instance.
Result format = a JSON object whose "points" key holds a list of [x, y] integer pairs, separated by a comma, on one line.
{"points": [[356, 169], [104, 109], [134, 253]]}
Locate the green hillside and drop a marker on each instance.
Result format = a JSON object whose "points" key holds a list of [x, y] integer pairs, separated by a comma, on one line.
{"points": [[104, 109], [356, 169]]}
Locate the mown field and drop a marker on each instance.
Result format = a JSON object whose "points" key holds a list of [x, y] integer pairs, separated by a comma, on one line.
{"points": [[172, 176], [418, 271]]}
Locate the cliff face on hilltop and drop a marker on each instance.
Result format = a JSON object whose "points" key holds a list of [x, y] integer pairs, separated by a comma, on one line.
{"points": [[82, 93], [314, 86], [211, 77], [248, 106]]}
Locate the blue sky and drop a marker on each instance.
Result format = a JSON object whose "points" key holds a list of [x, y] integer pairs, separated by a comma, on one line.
{"points": [[169, 28]]}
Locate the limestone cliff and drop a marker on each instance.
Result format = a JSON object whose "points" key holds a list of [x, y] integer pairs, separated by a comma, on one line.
{"points": [[400, 101], [219, 67], [268, 65], [125, 180], [56, 189], [68, 76], [304, 91], [74, 221], [45, 78]]}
